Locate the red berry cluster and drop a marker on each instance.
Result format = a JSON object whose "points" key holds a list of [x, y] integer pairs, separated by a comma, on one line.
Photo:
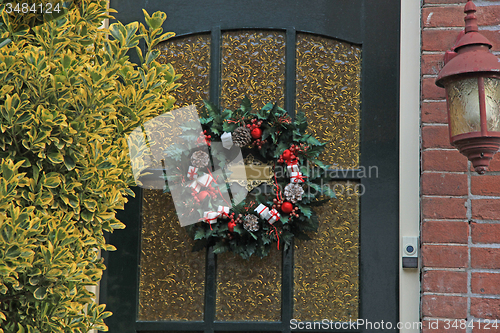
{"points": [[210, 191], [232, 223], [256, 132], [285, 119], [290, 155], [204, 136]]}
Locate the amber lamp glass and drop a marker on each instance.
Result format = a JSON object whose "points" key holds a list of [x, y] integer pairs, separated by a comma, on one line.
{"points": [[471, 77]]}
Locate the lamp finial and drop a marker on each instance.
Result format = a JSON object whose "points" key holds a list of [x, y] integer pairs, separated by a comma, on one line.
{"points": [[470, 19]]}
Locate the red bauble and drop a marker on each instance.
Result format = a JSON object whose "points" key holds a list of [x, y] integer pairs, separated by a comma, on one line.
{"points": [[256, 133], [286, 154], [287, 207], [202, 195]]}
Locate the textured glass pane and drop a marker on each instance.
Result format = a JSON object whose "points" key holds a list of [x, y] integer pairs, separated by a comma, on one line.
{"points": [[326, 282], [249, 289], [253, 64], [328, 91], [171, 276], [463, 99], [492, 92], [190, 57]]}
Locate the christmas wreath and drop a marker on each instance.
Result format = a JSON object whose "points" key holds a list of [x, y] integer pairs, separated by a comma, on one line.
{"points": [[271, 204]]}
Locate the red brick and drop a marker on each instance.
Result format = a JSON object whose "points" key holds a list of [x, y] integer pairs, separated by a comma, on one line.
{"points": [[485, 233], [436, 137], [453, 16], [444, 256], [439, 40], [444, 306], [461, 2], [494, 163], [431, 63], [443, 40], [485, 185], [443, 160], [445, 232], [443, 208], [485, 257], [485, 327], [485, 283], [485, 308], [444, 184], [434, 112], [444, 282], [431, 91], [494, 37], [486, 209]]}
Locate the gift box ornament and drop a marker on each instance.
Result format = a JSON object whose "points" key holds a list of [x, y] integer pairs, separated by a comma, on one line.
{"points": [[273, 216], [262, 210], [210, 217], [223, 211], [192, 173], [227, 140], [195, 186], [296, 177], [292, 168], [205, 180]]}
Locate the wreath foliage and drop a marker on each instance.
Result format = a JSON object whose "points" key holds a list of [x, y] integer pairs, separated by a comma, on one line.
{"points": [[280, 142]]}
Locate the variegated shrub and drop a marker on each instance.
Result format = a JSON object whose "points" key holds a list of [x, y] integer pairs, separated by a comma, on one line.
{"points": [[68, 97]]}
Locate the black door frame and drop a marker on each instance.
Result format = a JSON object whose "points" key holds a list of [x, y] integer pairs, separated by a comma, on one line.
{"points": [[374, 24]]}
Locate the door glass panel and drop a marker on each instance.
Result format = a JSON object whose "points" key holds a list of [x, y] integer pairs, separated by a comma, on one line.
{"points": [[172, 277], [253, 64], [190, 56], [326, 282], [328, 91], [249, 289]]}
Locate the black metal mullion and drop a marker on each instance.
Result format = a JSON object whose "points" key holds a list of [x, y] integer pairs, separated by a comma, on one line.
{"points": [[211, 260], [215, 65], [210, 290], [287, 289], [290, 75]]}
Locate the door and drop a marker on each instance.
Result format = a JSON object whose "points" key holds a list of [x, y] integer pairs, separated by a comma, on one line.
{"points": [[338, 62]]}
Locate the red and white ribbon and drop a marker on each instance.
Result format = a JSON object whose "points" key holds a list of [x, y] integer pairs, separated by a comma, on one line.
{"points": [[293, 168], [205, 180], [195, 186], [273, 216], [192, 173], [210, 217], [223, 211], [296, 177], [262, 210]]}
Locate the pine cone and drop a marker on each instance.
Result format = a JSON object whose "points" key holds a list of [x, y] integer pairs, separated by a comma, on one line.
{"points": [[200, 159], [241, 136], [251, 223], [293, 192]]}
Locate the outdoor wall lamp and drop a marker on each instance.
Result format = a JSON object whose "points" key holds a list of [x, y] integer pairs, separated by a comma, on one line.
{"points": [[471, 77]]}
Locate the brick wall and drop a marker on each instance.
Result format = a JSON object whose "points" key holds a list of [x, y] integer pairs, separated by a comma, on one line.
{"points": [[460, 229]]}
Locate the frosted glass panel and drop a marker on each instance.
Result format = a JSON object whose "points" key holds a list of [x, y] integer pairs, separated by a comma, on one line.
{"points": [[329, 92], [172, 277], [326, 281], [253, 64], [492, 92], [463, 99], [249, 289]]}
